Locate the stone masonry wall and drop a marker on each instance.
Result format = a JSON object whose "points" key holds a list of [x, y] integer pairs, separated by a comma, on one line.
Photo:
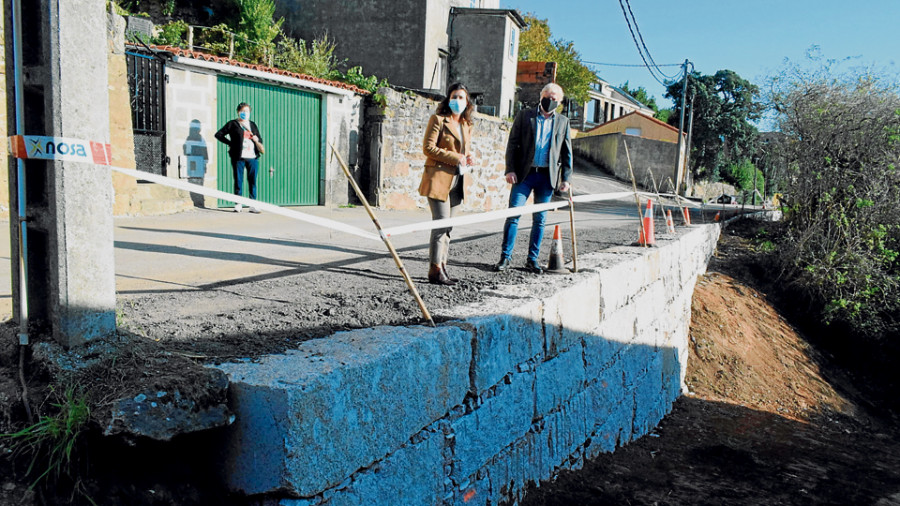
{"points": [[396, 161], [647, 155], [510, 390]]}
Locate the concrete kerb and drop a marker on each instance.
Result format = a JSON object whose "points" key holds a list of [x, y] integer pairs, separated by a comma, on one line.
{"points": [[348, 421]]}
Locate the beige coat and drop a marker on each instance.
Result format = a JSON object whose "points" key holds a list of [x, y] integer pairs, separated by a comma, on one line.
{"points": [[444, 150]]}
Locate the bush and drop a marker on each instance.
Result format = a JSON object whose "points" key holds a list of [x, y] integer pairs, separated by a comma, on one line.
{"points": [[172, 34], [742, 175], [315, 60], [258, 29], [843, 238]]}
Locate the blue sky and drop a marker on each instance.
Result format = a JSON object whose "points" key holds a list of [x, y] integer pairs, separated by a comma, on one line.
{"points": [[750, 37]]}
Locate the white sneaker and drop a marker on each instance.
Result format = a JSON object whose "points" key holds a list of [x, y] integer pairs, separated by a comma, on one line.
{"points": [[238, 208], [254, 210]]}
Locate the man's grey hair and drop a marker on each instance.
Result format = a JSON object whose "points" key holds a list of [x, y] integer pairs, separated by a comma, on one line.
{"points": [[553, 87]]}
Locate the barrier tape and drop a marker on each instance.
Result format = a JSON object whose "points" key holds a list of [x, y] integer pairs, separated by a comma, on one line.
{"points": [[262, 206], [42, 147], [62, 148]]}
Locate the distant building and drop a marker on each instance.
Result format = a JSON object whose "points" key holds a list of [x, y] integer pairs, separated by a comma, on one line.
{"points": [[638, 124], [484, 53], [419, 44], [531, 77], [606, 103]]}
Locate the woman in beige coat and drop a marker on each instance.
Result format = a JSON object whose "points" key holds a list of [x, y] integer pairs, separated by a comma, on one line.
{"points": [[447, 146]]}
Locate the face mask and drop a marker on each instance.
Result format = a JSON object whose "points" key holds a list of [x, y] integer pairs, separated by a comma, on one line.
{"points": [[458, 105], [548, 104], [244, 115]]}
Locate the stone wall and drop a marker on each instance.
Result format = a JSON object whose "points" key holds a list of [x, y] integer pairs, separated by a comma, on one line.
{"points": [[647, 156], [395, 161], [509, 391]]}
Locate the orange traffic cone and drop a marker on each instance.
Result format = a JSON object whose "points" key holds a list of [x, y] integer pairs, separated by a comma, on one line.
{"points": [[686, 213], [670, 223], [557, 264], [650, 238], [718, 216]]}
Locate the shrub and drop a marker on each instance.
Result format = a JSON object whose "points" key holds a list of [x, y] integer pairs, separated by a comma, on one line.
{"points": [[843, 186], [173, 33]]}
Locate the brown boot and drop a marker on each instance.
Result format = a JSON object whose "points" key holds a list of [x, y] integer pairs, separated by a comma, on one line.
{"points": [[436, 276], [444, 268]]}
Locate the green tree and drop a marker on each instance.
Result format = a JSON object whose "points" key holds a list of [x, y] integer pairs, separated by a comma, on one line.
{"points": [[535, 44], [640, 94], [724, 107], [663, 115]]}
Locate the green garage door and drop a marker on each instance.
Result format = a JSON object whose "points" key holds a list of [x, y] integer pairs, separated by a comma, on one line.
{"points": [[290, 122]]}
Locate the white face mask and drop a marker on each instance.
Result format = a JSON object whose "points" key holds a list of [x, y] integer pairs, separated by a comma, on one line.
{"points": [[458, 105]]}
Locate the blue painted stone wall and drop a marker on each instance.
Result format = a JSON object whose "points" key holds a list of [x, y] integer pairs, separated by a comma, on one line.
{"points": [[532, 380]]}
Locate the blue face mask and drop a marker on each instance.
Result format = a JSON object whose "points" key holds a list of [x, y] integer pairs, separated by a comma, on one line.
{"points": [[244, 115], [458, 105]]}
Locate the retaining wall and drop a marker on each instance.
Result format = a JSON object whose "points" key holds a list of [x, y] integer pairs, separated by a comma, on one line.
{"points": [[647, 156], [534, 379]]}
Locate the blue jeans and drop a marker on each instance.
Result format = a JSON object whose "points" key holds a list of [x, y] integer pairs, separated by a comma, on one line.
{"points": [[543, 190], [237, 166]]}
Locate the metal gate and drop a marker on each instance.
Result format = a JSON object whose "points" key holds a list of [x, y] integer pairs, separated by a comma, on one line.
{"points": [[146, 87], [290, 123]]}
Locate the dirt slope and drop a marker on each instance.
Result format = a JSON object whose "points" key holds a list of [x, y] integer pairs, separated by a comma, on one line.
{"points": [[768, 420]]}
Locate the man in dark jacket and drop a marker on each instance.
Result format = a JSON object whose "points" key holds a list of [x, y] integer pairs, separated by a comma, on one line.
{"points": [[244, 147], [539, 160]]}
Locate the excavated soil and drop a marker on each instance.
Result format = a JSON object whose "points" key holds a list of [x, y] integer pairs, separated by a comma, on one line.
{"points": [[772, 417]]}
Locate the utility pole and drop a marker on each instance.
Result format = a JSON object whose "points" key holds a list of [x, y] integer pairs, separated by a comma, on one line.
{"points": [[61, 84], [679, 166]]}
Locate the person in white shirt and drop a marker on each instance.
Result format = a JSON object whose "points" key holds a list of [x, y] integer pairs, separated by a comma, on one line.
{"points": [[245, 145]]}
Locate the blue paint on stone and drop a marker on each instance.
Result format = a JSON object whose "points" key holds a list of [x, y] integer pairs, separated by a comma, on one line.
{"points": [[599, 353], [493, 425], [411, 475], [388, 416], [347, 402], [558, 379], [501, 343]]}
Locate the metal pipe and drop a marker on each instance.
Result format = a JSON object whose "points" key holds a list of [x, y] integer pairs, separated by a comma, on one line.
{"points": [[20, 199]]}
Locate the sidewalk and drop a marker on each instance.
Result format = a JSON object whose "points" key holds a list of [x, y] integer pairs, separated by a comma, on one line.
{"points": [[203, 247]]}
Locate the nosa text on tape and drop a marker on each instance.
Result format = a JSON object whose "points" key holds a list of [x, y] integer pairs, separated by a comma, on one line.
{"points": [[41, 147]]}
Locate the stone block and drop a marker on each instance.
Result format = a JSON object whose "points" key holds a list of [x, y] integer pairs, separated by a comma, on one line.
{"points": [[603, 397], [599, 353], [507, 332], [565, 430], [558, 379], [308, 419], [518, 464], [495, 424], [565, 321], [411, 475], [619, 325]]}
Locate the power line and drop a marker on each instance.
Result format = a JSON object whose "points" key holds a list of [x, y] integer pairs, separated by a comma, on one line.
{"points": [[649, 56], [628, 21], [642, 48], [629, 64]]}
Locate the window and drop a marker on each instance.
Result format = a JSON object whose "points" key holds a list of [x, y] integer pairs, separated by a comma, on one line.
{"points": [[512, 43], [633, 131]]}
